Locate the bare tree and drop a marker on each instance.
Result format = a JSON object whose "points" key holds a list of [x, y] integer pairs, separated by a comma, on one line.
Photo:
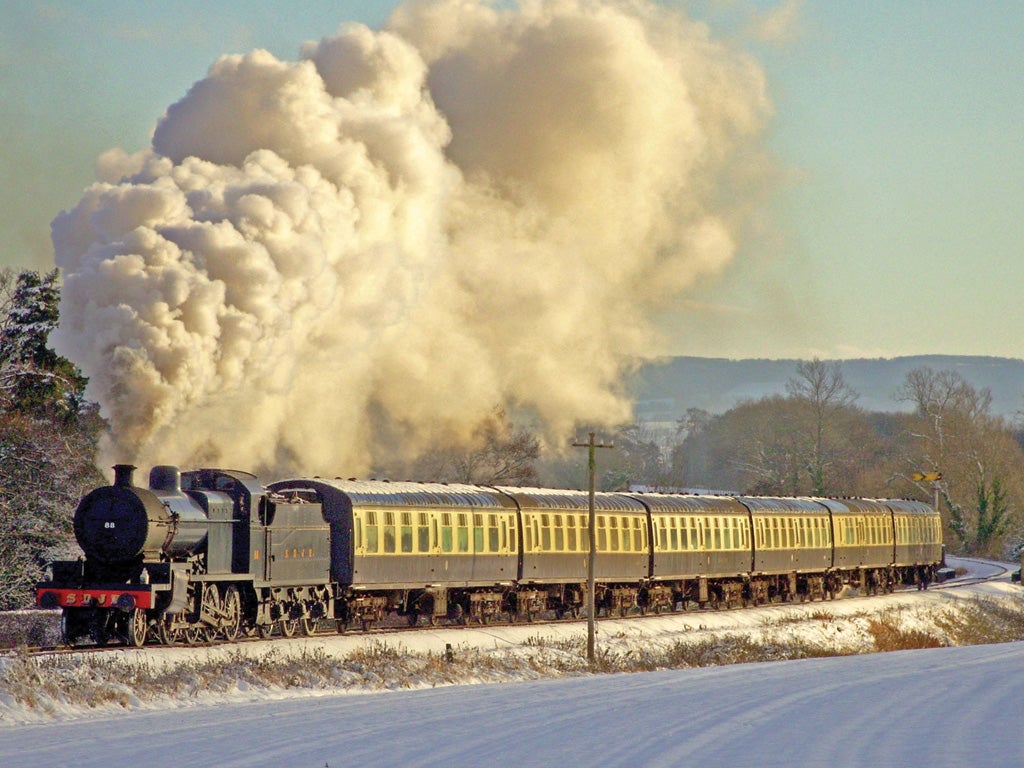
{"points": [[954, 433], [823, 389]]}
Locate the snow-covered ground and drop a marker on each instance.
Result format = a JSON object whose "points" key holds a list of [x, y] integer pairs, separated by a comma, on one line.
{"points": [[940, 707]]}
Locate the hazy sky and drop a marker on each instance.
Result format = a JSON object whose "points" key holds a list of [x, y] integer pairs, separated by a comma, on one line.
{"points": [[896, 226]]}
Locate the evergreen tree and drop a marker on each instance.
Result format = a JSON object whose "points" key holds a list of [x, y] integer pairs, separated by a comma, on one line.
{"points": [[47, 436], [36, 380]]}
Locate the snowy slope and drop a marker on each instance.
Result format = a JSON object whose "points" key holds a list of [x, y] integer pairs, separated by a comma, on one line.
{"points": [[942, 707]]}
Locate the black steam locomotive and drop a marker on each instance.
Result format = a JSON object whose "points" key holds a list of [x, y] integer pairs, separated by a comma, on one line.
{"points": [[211, 553]]}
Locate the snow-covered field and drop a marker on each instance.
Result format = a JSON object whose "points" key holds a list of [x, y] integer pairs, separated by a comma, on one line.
{"points": [[939, 707]]}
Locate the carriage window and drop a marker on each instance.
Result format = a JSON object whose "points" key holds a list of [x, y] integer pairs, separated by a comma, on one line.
{"points": [[423, 533], [462, 532], [389, 531], [493, 540], [372, 544], [638, 535], [545, 532], [446, 532], [613, 533], [602, 533], [478, 533], [571, 534], [406, 532]]}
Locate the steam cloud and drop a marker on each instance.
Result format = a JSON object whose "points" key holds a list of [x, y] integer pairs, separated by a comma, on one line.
{"points": [[319, 261]]}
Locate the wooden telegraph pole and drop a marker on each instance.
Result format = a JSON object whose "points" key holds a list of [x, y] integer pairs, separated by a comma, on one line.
{"points": [[591, 445]]}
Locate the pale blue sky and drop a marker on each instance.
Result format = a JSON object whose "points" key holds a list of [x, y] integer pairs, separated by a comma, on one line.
{"points": [[898, 128]]}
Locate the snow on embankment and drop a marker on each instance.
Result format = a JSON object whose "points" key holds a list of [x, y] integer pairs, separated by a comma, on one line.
{"points": [[62, 686]]}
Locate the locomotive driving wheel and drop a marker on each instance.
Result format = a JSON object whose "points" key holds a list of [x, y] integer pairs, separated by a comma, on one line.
{"points": [[232, 607]]}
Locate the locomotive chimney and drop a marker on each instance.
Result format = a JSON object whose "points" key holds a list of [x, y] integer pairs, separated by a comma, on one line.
{"points": [[123, 475], [165, 478]]}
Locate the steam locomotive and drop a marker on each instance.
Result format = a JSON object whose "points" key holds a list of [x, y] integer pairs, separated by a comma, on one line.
{"points": [[212, 554]]}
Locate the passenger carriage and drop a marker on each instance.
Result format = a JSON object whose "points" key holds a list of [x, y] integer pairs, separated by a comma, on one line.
{"points": [[556, 546], [918, 539], [700, 550], [864, 544], [792, 546]]}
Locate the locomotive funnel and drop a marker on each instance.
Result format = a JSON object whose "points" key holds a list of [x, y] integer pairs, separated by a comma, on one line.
{"points": [[123, 475]]}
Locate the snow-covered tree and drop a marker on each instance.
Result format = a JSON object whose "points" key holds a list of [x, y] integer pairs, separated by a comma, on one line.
{"points": [[47, 436], [33, 378]]}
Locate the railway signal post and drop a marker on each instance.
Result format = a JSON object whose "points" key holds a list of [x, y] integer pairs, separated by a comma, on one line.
{"points": [[591, 446]]}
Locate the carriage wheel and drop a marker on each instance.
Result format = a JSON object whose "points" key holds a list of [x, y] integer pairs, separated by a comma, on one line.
{"points": [[308, 626]]}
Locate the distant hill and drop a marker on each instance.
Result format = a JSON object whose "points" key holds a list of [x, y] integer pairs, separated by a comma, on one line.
{"points": [[665, 389]]}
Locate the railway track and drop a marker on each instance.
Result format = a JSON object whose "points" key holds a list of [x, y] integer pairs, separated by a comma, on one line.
{"points": [[994, 572]]}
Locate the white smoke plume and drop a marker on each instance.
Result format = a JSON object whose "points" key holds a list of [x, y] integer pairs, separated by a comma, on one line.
{"points": [[371, 248]]}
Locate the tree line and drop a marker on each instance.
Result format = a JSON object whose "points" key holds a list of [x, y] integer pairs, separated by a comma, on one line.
{"points": [[816, 441]]}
